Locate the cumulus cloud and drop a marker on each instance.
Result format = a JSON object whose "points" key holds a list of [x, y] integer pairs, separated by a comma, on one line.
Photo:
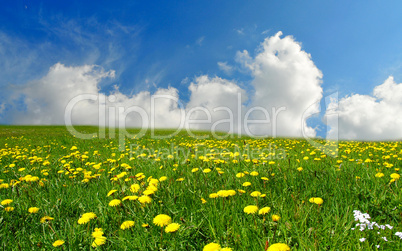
{"points": [[286, 87], [286, 80], [215, 104], [365, 117], [46, 100]]}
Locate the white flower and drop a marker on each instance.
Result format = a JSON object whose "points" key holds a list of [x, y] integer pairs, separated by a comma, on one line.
{"points": [[384, 238], [362, 239]]}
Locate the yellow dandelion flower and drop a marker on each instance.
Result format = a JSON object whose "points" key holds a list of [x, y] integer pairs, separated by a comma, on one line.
{"points": [[4, 185], [240, 175], [172, 227], [379, 175], [145, 225], [132, 197], [6, 202], [316, 200], [241, 191], [46, 219], [264, 210], [203, 201], [114, 203], [135, 188], [163, 178], [127, 224], [255, 194], [194, 170], [276, 217], [99, 241], [246, 184], [58, 243], [250, 209], [213, 195], [395, 176], [148, 192], [145, 199], [111, 192], [278, 247], [212, 247], [300, 169], [162, 220], [33, 210], [207, 170], [254, 173], [264, 178], [98, 232], [9, 209]]}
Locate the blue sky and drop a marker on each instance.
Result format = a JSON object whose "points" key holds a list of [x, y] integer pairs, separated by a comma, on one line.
{"points": [[157, 44]]}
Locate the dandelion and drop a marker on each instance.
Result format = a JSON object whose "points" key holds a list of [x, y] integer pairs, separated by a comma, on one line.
{"points": [[132, 197], [58, 243], [127, 224], [203, 201], [254, 173], [6, 202], [240, 175], [246, 184], [85, 218], [98, 232], [114, 203], [250, 209], [264, 210], [4, 185], [207, 170], [213, 195], [279, 247], [172, 227], [33, 210], [162, 220], [212, 247], [255, 194], [145, 225], [300, 169], [148, 192], [99, 241], [194, 170], [276, 217], [46, 219], [9, 209], [395, 176], [111, 192], [316, 200], [135, 188], [145, 199], [379, 175], [163, 178]]}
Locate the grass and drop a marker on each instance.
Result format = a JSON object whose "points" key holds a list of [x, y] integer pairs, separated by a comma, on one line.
{"points": [[71, 182]]}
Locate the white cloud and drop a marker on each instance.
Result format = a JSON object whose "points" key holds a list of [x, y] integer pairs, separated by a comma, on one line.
{"points": [[46, 100], [376, 117], [284, 76], [223, 66], [218, 97]]}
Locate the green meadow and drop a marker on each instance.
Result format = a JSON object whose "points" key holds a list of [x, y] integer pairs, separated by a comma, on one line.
{"points": [[60, 192]]}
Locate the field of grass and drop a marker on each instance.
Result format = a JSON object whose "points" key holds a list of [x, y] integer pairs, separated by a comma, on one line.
{"points": [[61, 192]]}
